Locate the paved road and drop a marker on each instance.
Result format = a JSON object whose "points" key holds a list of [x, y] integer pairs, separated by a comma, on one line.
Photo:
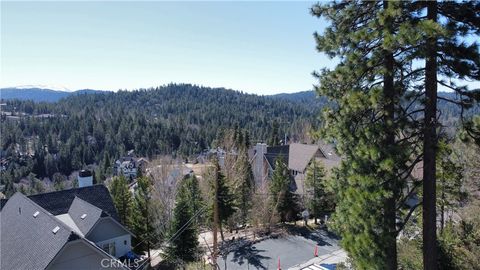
{"points": [[293, 249]]}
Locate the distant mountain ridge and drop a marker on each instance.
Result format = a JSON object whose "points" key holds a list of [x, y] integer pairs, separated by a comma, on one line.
{"points": [[307, 99], [48, 94], [42, 94], [297, 96]]}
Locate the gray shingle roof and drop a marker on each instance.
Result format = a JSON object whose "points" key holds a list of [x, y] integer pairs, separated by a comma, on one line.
{"points": [[59, 202], [28, 242], [274, 152], [298, 155], [78, 209]]}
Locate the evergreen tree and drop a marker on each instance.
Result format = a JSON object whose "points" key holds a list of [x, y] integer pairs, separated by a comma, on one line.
{"points": [[472, 129], [122, 198], [449, 184], [143, 216], [377, 92], [319, 200], [274, 138], [244, 185], [246, 139], [194, 195], [106, 165], [429, 146], [225, 198], [369, 124], [440, 39], [183, 245], [284, 201]]}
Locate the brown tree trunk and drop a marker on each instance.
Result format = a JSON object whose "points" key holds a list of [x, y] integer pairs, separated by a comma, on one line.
{"points": [[221, 231], [429, 150], [390, 183], [442, 205], [215, 224], [315, 199]]}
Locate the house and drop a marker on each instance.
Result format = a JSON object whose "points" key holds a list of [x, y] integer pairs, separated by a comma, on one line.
{"points": [[297, 156], [170, 174], [70, 229], [129, 166], [207, 154]]}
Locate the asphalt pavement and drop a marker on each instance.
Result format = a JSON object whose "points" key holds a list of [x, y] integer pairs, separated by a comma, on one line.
{"points": [[296, 247]]}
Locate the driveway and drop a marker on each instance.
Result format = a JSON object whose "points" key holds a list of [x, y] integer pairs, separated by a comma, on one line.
{"points": [[296, 247]]}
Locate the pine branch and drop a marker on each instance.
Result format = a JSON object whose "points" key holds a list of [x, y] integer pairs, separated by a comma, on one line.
{"points": [[405, 220]]}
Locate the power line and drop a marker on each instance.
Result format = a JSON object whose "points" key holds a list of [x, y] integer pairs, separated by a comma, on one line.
{"points": [[178, 232]]}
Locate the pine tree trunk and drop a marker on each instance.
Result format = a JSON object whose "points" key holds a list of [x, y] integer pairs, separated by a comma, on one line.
{"points": [[389, 110], [221, 231], [442, 218], [442, 206], [429, 150]]}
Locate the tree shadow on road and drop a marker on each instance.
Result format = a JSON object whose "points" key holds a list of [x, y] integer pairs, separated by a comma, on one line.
{"points": [[251, 255], [321, 237]]}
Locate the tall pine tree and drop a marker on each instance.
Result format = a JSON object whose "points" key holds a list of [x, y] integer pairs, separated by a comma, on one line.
{"points": [[369, 124], [319, 200], [435, 40], [243, 184], [449, 181], [283, 199], [183, 245], [143, 216], [122, 198], [225, 197], [194, 195]]}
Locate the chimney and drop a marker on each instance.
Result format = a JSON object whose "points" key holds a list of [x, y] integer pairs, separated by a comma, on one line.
{"points": [[258, 163], [85, 178]]}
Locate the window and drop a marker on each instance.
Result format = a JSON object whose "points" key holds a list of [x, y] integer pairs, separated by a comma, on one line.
{"points": [[109, 248]]}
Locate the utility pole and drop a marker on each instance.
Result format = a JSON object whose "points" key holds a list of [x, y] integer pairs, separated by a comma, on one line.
{"points": [[148, 233], [147, 222], [315, 206], [215, 222]]}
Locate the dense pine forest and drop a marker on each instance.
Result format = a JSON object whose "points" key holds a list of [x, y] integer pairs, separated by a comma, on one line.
{"points": [[43, 139], [51, 140]]}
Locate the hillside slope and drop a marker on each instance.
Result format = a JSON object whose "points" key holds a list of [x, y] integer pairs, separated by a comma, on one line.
{"points": [[181, 120], [40, 94]]}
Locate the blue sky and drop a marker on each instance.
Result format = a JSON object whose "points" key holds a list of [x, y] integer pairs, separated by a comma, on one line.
{"points": [[256, 47]]}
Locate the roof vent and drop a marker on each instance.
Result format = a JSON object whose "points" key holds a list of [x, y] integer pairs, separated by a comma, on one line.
{"points": [[83, 216], [55, 230], [36, 214]]}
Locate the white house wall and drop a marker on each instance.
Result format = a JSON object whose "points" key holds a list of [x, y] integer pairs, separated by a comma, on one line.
{"points": [[122, 244], [107, 231]]}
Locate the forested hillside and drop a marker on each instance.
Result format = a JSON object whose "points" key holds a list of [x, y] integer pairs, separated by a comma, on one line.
{"points": [[182, 120], [41, 139]]}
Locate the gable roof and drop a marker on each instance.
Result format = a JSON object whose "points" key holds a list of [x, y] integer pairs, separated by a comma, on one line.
{"points": [[90, 214], [300, 155], [59, 202], [275, 152], [30, 242], [296, 155]]}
